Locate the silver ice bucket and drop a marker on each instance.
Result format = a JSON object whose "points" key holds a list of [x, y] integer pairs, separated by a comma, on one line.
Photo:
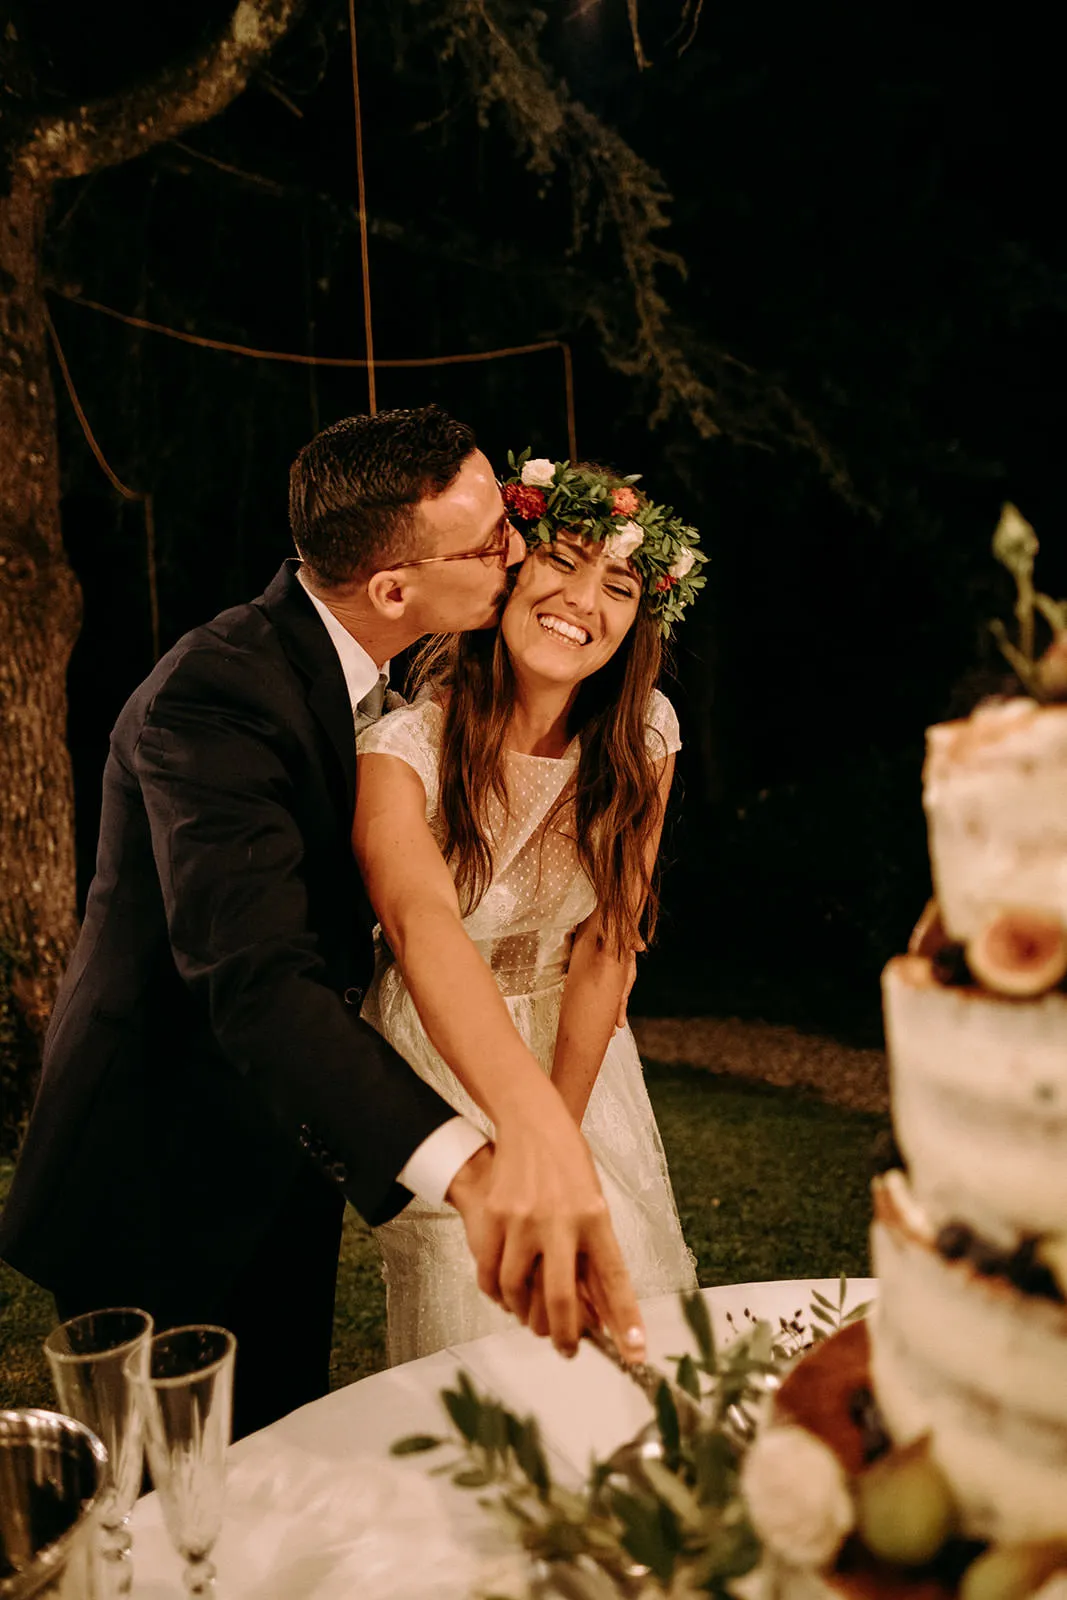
{"points": [[52, 1470]]}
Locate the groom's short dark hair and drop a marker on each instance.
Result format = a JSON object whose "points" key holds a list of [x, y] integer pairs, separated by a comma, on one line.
{"points": [[353, 489]]}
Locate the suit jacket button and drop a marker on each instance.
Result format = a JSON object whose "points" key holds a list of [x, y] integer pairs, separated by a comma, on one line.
{"points": [[353, 996], [339, 1171]]}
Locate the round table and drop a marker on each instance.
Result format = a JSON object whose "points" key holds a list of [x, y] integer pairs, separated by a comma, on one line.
{"points": [[317, 1509]]}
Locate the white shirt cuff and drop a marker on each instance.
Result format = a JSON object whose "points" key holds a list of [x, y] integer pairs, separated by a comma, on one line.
{"points": [[429, 1170]]}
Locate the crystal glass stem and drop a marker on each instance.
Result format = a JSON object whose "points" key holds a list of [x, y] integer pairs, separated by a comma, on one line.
{"points": [[199, 1574], [115, 1546]]}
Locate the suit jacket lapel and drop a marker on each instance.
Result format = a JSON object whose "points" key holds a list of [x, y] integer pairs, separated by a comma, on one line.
{"points": [[310, 649]]}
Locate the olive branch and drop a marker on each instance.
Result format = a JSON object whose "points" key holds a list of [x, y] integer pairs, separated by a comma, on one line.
{"points": [[664, 1514]]}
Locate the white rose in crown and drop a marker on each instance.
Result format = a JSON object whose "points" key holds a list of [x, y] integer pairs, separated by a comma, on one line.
{"points": [[797, 1494], [682, 563], [624, 541], [539, 473]]}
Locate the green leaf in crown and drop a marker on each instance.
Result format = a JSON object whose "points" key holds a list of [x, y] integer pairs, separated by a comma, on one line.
{"points": [[544, 498]]}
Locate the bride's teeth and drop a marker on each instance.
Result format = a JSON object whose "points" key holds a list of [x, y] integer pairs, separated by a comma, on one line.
{"points": [[567, 630]]}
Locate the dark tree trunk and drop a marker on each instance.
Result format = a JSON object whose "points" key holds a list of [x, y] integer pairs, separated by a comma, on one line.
{"points": [[40, 602], [40, 610]]}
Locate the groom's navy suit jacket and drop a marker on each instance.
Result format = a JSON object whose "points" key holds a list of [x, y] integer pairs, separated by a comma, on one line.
{"points": [[206, 1041]]}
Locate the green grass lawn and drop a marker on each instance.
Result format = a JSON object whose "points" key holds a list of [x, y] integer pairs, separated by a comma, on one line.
{"points": [[771, 1183]]}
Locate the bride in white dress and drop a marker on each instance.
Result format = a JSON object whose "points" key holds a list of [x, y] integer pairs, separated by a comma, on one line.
{"points": [[560, 709]]}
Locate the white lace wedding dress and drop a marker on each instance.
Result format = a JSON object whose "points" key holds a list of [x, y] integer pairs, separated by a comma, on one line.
{"points": [[523, 926]]}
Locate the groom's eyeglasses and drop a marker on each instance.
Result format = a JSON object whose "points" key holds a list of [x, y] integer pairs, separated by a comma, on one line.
{"points": [[496, 551]]}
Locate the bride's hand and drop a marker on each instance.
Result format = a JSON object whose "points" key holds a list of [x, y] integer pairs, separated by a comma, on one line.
{"points": [[535, 1207]]}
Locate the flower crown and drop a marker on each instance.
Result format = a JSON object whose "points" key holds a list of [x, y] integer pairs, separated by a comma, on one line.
{"points": [[547, 497]]}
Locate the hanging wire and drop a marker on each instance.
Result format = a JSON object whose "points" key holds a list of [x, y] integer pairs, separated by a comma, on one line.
{"points": [[143, 499], [297, 358], [568, 390], [691, 14], [368, 362], [361, 190]]}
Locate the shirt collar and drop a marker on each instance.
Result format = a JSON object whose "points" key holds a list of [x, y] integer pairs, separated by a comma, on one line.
{"points": [[361, 673]]}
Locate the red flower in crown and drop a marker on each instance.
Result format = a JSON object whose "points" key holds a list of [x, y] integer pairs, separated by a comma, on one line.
{"points": [[624, 503], [665, 583], [526, 502]]}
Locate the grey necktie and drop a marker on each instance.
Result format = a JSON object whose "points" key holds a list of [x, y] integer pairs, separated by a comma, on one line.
{"points": [[369, 709]]}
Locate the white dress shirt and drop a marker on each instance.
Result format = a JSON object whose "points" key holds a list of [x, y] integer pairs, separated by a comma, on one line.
{"points": [[429, 1170]]}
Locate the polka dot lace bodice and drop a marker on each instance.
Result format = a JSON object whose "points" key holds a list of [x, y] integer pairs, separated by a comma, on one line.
{"points": [[524, 924]]}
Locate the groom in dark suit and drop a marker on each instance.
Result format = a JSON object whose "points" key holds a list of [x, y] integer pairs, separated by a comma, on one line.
{"points": [[210, 1095]]}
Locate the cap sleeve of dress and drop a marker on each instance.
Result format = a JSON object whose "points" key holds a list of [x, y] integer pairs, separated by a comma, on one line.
{"points": [[662, 735], [413, 734]]}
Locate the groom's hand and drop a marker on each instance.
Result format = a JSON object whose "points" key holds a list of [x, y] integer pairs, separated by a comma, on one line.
{"points": [[536, 1208]]}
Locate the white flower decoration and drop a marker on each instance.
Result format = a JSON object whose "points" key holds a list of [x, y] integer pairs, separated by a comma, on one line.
{"points": [[624, 541], [539, 472], [682, 562], [797, 1496]]}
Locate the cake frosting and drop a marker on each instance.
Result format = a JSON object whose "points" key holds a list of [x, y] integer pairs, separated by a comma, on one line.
{"points": [[994, 788], [979, 1097], [981, 1367]]}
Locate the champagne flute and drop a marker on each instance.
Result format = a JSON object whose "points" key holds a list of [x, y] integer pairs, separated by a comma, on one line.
{"points": [[91, 1357], [185, 1395]]}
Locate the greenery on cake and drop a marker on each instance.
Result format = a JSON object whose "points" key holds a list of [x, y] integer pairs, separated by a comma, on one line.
{"points": [[664, 1514], [1043, 676], [715, 1485], [667, 1513]]}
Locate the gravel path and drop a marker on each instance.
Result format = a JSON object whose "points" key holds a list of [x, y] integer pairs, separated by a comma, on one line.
{"points": [[769, 1054]]}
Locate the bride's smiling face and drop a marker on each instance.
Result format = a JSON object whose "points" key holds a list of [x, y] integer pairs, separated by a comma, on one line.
{"points": [[570, 610]]}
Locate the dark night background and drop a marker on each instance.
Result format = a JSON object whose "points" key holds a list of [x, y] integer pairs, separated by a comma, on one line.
{"points": [[862, 202]]}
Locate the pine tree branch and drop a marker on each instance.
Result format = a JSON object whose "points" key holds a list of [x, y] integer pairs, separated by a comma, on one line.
{"points": [[622, 203], [85, 138]]}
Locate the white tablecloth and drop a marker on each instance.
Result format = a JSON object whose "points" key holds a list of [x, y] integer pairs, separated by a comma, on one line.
{"points": [[318, 1510]]}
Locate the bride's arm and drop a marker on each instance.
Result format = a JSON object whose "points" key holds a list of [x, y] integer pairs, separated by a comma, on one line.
{"points": [[543, 1202], [413, 894], [597, 981]]}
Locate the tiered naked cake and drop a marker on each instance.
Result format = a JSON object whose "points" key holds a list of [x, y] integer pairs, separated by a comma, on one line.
{"points": [[946, 1414], [969, 1343]]}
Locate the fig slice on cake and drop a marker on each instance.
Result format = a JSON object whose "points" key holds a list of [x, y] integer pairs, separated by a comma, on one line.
{"points": [[1021, 953]]}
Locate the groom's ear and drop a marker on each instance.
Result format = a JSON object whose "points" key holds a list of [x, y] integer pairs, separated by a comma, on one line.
{"points": [[388, 594]]}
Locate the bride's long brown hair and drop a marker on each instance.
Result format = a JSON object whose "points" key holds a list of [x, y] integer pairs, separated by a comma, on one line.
{"points": [[614, 807]]}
